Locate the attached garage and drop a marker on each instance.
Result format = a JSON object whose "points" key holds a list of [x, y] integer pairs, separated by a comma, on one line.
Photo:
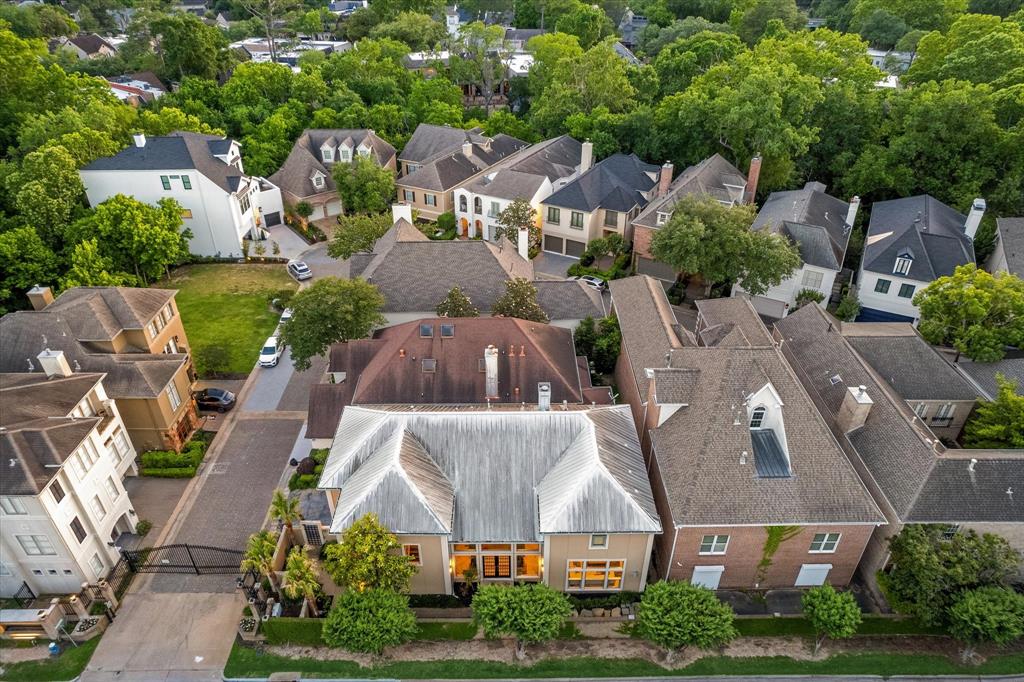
{"points": [[574, 248], [334, 207], [553, 244], [273, 218], [564, 247]]}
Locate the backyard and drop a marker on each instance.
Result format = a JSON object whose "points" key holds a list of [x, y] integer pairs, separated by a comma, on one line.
{"points": [[226, 312]]}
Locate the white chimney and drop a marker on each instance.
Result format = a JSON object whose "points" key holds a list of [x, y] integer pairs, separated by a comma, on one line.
{"points": [[974, 218], [854, 410], [544, 396], [851, 214], [54, 363], [523, 242], [401, 212], [140, 139], [467, 149], [587, 156], [491, 369]]}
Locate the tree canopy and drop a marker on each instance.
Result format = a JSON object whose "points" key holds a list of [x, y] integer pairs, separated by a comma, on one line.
{"points": [[369, 620], [369, 556], [357, 233], [677, 614], [519, 300], [531, 613], [998, 423], [457, 304], [832, 614]]}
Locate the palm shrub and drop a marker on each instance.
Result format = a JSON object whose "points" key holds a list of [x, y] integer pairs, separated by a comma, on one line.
{"points": [[530, 613], [285, 509], [675, 614], [369, 621], [300, 579], [259, 555], [832, 614]]}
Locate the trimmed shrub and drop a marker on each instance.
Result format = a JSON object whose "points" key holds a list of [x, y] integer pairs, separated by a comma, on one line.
{"points": [[171, 472], [305, 466], [674, 615], [301, 631], [143, 527], [320, 455], [435, 601], [608, 602], [303, 481], [369, 621]]}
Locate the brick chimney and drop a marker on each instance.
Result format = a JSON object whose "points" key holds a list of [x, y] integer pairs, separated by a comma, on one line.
{"points": [[491, 370], [40, 297], [974, 218], [665, 179], [54, 363], [586, 156], [854, 410], [467, 149], [750, 191]]}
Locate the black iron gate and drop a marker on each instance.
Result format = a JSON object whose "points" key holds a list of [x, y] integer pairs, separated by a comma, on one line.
{"points": [[194, 559]]}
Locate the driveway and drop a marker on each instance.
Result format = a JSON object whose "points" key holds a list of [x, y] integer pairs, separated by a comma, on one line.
{"points": [[291, 244], [322, 264], [551, 265]]}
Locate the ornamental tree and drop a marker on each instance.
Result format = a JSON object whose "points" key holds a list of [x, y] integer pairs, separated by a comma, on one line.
{"points": [[26, 261], [987, 614], [457, 304], [977, 313], [530, 613], [677, 614], [364, 187], [330, 311], [517, 216], [369, 621], [300, 579], [259, 556], [357, 233], [998, 423], [519, 300], [368, 557], [832, 614]]}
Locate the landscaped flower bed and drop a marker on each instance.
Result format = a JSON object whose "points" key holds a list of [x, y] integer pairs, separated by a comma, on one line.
{"points": [[90, 627]]}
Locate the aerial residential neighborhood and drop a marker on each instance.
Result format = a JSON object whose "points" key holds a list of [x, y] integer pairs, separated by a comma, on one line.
{"points": [[523, 340]]}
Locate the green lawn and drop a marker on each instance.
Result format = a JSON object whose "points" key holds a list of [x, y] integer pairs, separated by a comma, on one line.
{"points": [[441, 631], [67, 666], [226, 305], [246, 662]]}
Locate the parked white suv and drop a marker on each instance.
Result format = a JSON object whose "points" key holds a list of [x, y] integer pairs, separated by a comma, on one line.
{"points": [[271, 353]]}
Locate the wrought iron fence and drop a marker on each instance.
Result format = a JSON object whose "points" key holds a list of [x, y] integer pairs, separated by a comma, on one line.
{"points": [[183, 558]]}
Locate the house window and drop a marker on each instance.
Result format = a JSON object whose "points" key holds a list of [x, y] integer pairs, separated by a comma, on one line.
{"points": [[13, 506], [554, 215], [495, 210], [463, 203], [576, 220], [611, 218], [594, 575], [57, 492], [882, 286], [426, 331], [78, 529], [243, 202], [186, 183], [318, 181], [907, 290], [409, 195], [172, 395], [112, 488], [921, 410], [363, 151], [757, 417], [121, 444], [37, 571], [328, 155], [96, 564], [713, 544], [662, 218], [68, 571], [166, 182], [824, 543], [151, 328], [430, 199], [36, 545], [186, 214], [599, 541], [413, 552], [97, 507], [903, 263], [950, 532], [447, 331], [812, 279], [944, 415], [478, 205], [85, 458], [345, 154], [429, 365]]}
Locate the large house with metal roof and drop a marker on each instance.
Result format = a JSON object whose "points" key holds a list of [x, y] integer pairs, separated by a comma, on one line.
{"points": [[63, 505], [735, 449], [911, 242], [306, 174], [221, 204], [819, 226], [539, 493]]}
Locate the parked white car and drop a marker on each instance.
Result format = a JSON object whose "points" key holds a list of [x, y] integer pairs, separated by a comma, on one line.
{"points": [[271, 353], [592, 281]]}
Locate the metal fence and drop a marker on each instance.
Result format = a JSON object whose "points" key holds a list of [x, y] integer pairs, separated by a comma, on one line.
{"points": [[184, 558]]}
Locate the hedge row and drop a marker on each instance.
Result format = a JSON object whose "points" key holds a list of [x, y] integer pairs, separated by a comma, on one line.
{"points": [[301, 631], [170, 464], [170, 472]]}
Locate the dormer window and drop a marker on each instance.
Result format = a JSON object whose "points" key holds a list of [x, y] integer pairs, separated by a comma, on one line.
{"points": [[663, 218], [318, 180], [328, 154], [345, 154], [768, 434], [757, 417], [903, 263], [364, 151]]}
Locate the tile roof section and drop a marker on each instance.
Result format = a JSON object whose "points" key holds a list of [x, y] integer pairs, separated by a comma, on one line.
{"points": [[617, 183], [714, 177], [305, 158], [814, 220]]}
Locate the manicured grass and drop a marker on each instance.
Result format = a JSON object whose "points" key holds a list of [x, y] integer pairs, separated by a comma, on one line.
{"points": [[245, 662], [227, 305], [441, 631], [302, 631], [871, 625], [67, 666]]}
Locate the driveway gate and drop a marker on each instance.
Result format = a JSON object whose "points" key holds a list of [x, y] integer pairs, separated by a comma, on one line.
{"points": [[194, 559]]}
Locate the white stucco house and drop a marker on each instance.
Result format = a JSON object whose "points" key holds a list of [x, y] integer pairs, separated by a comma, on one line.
{"points": [[65, 453], [819, 225], [221, 204], [911, 242]]}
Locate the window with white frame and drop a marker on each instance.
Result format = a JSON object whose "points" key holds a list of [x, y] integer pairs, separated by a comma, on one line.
{"points": [[328, 154], [713, 544], [151, 328], [345, 154], [584, 574], [318, 181], [824, 543], [36, 545], [121, 443], [363, 151], [921, 410], [599, 541], [944, 414], [903, 263], [172, 395], [495, 210], [112, 488], [413, 552], [463, 204], [812, 279], [662, 218], [13, 506], [757, 417], [85, 458], [84, 408], [97, 507], [96, 564], [243, 203], [167, 313]]}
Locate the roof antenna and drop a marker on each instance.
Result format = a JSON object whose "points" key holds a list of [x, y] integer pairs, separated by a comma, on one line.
{"points": [[31, 367]]}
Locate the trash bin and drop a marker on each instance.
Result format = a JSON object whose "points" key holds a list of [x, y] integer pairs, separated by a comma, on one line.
{"points": [[54, 649]]}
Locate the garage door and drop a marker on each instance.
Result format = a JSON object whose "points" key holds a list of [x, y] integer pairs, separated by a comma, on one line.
{"points": [[333, 208], [553, 244], [769, 307], [273, 218], [707, 576], [812, 575], [318, 212], [574, 249]]}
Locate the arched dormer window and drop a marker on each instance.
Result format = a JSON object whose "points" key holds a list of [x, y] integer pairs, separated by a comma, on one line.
{"points": [[757, 417]]}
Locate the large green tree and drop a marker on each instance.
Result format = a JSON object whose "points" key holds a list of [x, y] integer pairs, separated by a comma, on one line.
{"points": [[832, 614], [357, 233], [987, 615], [24, 262], [418, 31], [978, 48], [190, 47], [705, 237], [678, 614], [482, 60], [998, 423], [530, 613], [364, 186], [752, 18], [977, 313], [928, 15], [588, 23], [330, 311], [686, 58], [369, 620], [519, 300], [90, 268], [369, 556], [47, 190]]}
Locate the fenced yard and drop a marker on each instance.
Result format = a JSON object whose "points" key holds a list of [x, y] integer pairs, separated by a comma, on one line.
{"points": [[226, 310]]}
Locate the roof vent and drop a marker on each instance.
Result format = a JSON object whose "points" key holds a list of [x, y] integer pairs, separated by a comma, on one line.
{"points": [[544, 396], [970, 467]]}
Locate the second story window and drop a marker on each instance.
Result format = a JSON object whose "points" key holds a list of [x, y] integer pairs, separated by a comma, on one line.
{"points": [[172, 395], [36, 545], [944, 415], [97, 507], [430, 199], [243, 203], [112, 488], [166, 182], [757, 417], [409, 195], [478, 205], [79, 530], [57, 492], [12, 506], [903, 263], [463, 204], [611, 218], [713, 544], [824, 543], [186, 182], [576, 220], [495, 210], [662, 218], [907, 291], [554, 215], [328, 155], [882, 286], [812, 279]]}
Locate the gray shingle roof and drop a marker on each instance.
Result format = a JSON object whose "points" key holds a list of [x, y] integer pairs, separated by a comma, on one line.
{"points": [[507, 184], [537, 477], [100, 313], [983, 374], [617, 183], [1011, 236], [305, 158], [954, 494], [909, 364], [736, 313], [924, 227], [451, 167], [814, 220], [429, 140], [714, 177]]}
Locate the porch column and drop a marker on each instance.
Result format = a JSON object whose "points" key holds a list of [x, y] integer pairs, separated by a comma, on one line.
{"points": [[108, 594]]}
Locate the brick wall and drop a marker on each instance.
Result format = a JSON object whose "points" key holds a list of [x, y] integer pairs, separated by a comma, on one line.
{"points": [[642, 241], [745, 550]]}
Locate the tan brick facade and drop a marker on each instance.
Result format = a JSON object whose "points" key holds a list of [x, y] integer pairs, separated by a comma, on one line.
{"points": [[642, 237]]}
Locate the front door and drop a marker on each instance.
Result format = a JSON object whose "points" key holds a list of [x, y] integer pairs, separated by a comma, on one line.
{"points": [[707, 576], [812, 575]]}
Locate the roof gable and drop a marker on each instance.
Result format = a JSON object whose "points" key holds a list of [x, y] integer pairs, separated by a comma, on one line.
{"points": [[931, 230]]}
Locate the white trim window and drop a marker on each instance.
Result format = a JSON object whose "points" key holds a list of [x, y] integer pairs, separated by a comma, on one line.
{"points": [[585, 574], [824, 543], [413, 552], [921, 410], [345, 154], [36, 545], [944, 415], [318, 181], [812, 279], [151, 328], [85, 458], [328, 154], [662, 218], [172, 395], [96, 564], [903, 263], [112, 488], [243, 203], [13, 506], [757, 417], [599, 541], [713, 545], [97, 507]]}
